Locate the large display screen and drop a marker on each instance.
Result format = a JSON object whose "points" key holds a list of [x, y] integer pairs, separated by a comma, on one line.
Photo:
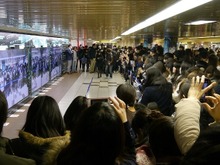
{"points": [[36, 69], [45, 65], [56, 63], [13, 75], [27, 59], [40, 71]]}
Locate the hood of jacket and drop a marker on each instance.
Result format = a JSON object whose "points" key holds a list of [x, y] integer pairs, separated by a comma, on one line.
{"points": [[44, 150]]}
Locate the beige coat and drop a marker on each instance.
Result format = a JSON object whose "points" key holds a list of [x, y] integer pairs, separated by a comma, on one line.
{"points": [[43, 150], [187, 126]]}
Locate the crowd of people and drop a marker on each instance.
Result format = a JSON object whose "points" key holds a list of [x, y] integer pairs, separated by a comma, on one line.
{"points": [[97, 58], [167, 112]]}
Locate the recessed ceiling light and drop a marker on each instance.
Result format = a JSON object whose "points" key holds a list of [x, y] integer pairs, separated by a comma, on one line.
{"points": [[200, 22]]}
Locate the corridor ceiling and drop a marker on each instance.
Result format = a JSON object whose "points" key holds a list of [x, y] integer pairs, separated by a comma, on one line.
{"points": [[92, 19]]}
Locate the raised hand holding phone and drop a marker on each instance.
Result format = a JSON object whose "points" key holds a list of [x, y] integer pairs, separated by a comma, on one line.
{"points": [[196, 89], [206, 83], [212, 104]]}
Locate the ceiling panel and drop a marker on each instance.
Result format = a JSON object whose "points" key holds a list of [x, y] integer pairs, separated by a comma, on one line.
{"points": [[92, 19]]}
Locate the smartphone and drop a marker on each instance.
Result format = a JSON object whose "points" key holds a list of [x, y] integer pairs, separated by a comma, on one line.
{"points": [[207, 82]]}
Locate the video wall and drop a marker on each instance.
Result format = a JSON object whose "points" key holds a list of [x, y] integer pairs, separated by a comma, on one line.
{"points": [[45, 65], [13, 75], [56, 62], [40, 62], [26, 66]]}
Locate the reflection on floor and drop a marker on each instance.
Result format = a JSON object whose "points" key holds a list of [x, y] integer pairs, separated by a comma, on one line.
{"points": [[64, 89]]}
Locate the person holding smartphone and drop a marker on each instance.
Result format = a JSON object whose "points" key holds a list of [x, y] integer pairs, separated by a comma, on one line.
{"points": [[198, 146], [186, 128]]}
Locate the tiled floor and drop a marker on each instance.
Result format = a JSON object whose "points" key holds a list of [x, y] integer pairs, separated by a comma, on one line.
{"points": [[64, 89]]}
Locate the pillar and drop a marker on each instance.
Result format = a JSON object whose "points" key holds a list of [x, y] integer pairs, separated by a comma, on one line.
{"points": [[170, 35], [148, 39]]}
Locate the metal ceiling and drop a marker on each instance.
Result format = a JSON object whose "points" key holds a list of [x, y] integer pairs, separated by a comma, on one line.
{"points": [[92, 19]]}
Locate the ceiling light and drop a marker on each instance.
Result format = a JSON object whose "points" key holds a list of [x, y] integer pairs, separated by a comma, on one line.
{"points": [[200, 22], [116, 38], [175, 9]]}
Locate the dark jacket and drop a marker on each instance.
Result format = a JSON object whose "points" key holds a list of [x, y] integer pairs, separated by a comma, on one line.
{"points": [[162, 95], [69, 54], [129, 155], [6, 159], [43, 150], [99, 61], [108, 59], [92, 53]]}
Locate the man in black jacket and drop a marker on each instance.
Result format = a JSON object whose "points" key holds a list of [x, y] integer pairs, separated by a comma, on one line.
{"points": [[92, 56]]}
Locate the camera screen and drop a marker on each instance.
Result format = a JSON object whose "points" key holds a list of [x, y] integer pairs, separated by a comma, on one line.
{"points": [[95, 100], [206, 83]]}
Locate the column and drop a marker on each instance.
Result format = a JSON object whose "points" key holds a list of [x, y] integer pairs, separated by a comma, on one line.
{"points": [[148, 39], [170, 35]]}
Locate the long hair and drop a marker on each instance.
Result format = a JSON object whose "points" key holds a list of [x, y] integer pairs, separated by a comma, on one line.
{"points": [[141, 124], [97, 139], [184, 67], [160, 65], [44, 118], [3, 110], [213, 60], [154, 77], [74, 110], [161, 138]]}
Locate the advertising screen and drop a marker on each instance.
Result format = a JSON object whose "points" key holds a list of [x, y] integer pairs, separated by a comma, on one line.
{"points": [[20, 52], [45, 64], [56, 62], [13, 75], [36, 69]]}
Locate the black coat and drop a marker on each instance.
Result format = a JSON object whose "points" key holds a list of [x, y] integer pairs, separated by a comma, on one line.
{"points": [[162, 95]]}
